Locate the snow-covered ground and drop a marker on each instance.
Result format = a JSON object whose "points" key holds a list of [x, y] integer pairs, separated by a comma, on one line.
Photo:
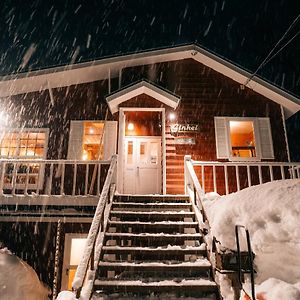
{"points": [[271, 212], [18, 281]]}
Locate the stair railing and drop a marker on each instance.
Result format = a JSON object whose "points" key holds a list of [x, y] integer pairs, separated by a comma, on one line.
{"points": [[193, 187], [239, 260], [96, 233]]}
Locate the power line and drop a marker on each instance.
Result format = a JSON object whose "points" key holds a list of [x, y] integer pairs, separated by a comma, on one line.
{"points": [[266, 60], [287, 43]]}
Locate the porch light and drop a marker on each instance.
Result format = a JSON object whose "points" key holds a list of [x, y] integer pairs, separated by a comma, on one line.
{"points": [[172, 116], [91, 130], [130, 126]]}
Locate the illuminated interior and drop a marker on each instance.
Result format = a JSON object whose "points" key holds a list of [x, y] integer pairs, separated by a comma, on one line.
{"points": [[242, 138], [92, 147], [143, 123], [22, 144], [77, 248]]}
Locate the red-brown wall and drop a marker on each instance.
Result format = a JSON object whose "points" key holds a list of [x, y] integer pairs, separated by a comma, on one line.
{"points": [[204, 94]]}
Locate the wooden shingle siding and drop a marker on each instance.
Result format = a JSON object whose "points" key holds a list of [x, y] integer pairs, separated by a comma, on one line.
{"points": [[204, 95]]}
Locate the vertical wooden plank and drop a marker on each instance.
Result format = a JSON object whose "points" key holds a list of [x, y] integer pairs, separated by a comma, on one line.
{"points": [[98, 179], [203, 178], [3, 166], [27, 179], [74, 180], [249, 176], [237, 175], [260, 174], [86, 183], [282, 172], [38, 179], [271, 173], [50, 179], [62, 180], [215, 178], [226, 180], [14, 179]]}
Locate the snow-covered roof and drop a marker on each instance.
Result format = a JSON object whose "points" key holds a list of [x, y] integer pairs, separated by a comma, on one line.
{"points": [[110, 67], [142, 87]]}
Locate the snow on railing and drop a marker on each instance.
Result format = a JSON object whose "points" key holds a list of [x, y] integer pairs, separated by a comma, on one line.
{"points": [[228, 177], [94, 242], [51, 177]]}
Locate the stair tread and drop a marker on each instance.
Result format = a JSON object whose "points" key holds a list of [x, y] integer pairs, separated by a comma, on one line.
{"points": [[170, 248], [127, 212], [184, 282], [203, 262], [160, 223], [163, 235], [158, 204]]}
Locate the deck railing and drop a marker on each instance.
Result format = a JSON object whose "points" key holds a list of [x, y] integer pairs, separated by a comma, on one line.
{"points": [[52, 177], [228, 177]]}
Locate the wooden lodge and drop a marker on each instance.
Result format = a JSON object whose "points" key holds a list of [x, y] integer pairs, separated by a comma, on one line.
{"points": [[157, 110]]}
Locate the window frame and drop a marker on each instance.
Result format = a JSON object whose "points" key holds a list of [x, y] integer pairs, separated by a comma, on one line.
{"points": [[262, 135], [30, 130], [258, 156], [108, 124], [41, 172]]}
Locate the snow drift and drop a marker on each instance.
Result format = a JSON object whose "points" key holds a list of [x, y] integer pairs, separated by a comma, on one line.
{"points": [[18, 280], [271, 212]]}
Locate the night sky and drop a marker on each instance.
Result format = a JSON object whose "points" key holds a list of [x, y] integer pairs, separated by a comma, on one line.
{"points": [[40, 34], [63, 32]]}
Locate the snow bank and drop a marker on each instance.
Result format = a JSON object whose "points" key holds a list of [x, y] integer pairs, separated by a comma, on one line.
{"points": [[275, 289], [271, 212], [18, 280]]}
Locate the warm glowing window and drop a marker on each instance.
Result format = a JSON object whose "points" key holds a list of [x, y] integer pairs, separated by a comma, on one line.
{"points": [[23, 144], [242, 139], [92, 146]]}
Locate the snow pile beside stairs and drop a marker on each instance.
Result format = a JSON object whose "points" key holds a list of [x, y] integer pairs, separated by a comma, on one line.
{"points": [[271, 212], [18, 280]]}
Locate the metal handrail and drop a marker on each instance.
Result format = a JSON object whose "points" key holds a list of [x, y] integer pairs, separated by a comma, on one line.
{"points": [[97, 227], [250, 256]]}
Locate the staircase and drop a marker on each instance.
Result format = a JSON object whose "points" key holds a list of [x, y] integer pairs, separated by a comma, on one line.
{"points": [[153, 246]]}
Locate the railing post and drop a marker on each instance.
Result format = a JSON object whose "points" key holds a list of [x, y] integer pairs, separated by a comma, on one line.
{"points": [[187, 158], [3, 166]]}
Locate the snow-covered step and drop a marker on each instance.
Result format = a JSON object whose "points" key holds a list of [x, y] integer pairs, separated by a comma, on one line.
{"points": [[187, 236], [179, 225], [156, 206], [159, 251], [151, 198], [153, 239], [199, 266], [152, 215], [184, 287]]}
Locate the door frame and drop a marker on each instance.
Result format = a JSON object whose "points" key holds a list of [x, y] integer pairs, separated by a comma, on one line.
{"points": [[67, 257], [121, 138]]}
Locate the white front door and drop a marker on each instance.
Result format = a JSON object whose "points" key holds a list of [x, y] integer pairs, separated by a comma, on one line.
{"points": [[142, 166]]}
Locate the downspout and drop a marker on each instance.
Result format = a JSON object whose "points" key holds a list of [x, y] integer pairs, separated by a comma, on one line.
{"points": [[285, 134]]}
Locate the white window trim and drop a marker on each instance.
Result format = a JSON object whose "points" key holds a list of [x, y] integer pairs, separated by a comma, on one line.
{"points": [[259, 124], [256, 138], [104, 139]]}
